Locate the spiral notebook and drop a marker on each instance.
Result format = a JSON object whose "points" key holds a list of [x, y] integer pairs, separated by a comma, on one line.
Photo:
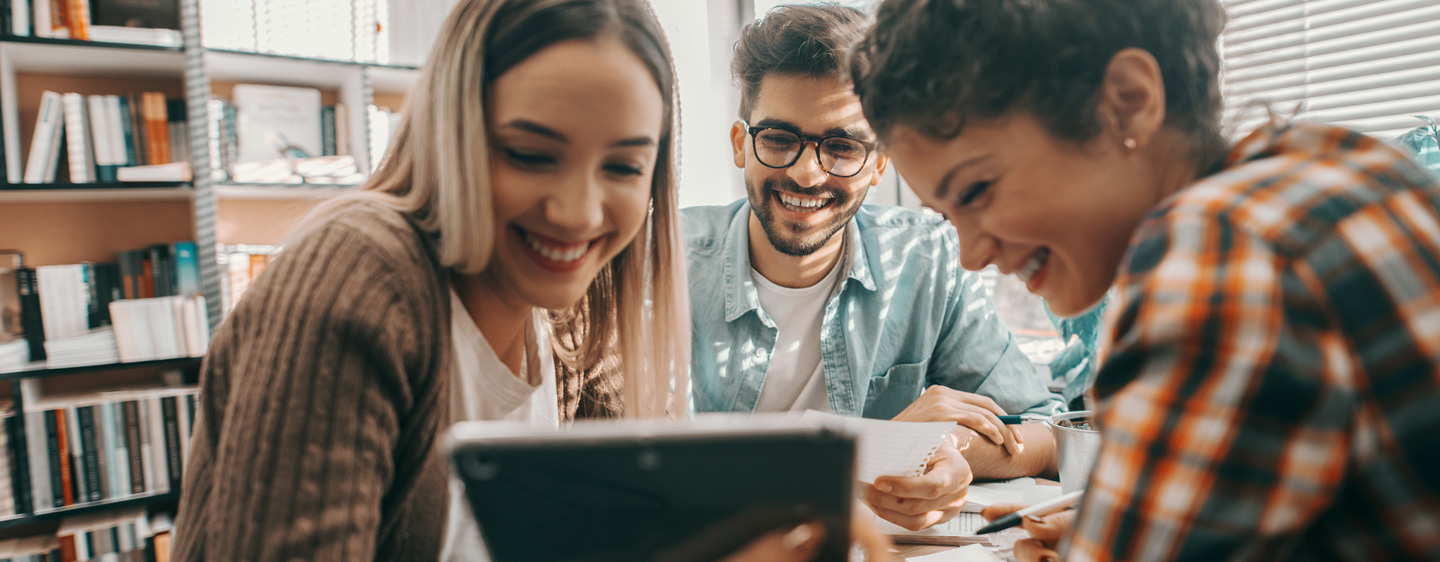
{"points": [[888, 448]]}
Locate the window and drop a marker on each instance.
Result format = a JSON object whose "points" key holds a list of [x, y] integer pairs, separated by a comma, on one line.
{"points": [[1370, 65]]}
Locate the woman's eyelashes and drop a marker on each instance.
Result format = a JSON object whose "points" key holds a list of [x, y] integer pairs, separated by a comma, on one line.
{"points": [[528, 159], [972, 193], [544, 161]]}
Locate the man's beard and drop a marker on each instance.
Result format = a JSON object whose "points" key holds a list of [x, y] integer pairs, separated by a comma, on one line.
{"points": [[792, 239]]}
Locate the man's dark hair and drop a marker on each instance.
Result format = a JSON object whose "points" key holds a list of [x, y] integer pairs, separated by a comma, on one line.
{"points": [[935, 65], [806, 40]]}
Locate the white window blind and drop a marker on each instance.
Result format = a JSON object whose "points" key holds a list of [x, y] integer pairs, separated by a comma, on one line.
{"points": [[1370, 65]]}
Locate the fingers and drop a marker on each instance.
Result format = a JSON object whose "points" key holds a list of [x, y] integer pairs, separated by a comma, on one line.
{"points": [[1050, 527], [1032, 550], [913, 506], [915, 522], [799, 544], [999, 510]]}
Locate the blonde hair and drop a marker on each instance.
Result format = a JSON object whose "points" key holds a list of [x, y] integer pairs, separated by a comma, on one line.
{"points": [[437, 171]]}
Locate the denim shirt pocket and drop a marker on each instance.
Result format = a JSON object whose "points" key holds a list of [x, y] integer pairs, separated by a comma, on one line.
{"points": [[896, 389]]}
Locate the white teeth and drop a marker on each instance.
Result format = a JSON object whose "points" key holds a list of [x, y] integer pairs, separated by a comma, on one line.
{"points": [[561, 254], [803, 203], [1033, 265]]}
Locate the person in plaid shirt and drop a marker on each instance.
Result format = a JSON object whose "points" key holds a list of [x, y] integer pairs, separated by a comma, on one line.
{"points": [[1270, 389]]}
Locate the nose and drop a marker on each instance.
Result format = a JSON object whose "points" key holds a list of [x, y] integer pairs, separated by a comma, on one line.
{"points": [[976, 248], [806, 171], [577, 208]]}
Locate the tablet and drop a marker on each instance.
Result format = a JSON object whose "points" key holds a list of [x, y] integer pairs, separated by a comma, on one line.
{"points": [[648, 490]]}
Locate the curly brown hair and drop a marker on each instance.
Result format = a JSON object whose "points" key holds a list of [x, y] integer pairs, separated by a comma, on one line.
{"points": [[935, 65]]}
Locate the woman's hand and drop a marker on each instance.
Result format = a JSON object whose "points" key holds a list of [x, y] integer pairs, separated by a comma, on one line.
{"points": [[1045, 532], [974, 411]]}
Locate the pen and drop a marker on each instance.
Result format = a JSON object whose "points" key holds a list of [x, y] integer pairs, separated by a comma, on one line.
{"points": [[1039, 509], [1016, 419]]}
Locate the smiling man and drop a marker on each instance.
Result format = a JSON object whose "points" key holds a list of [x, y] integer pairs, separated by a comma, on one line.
{"points": [[805, 298]]}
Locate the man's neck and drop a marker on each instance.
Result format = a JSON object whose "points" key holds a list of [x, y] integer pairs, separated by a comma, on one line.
{"points": [[793, 271]]}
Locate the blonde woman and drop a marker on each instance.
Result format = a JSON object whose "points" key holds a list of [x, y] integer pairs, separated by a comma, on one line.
{"points": [[521, 229]]}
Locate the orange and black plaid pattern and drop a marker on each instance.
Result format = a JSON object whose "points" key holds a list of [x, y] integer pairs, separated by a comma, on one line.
{"points": [[1271, 387]]}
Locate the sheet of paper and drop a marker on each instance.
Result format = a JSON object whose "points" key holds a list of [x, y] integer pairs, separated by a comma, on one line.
{"points": [[980, 497], [1030, 492], [972, 553], [889, 448]]}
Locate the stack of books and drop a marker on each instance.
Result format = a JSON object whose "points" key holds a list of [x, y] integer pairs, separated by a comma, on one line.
{"points": [[63, 306], [243, 263], [104, 134], [115, 536], [95, 347], [14, 355], [98, 447], [155, 22]]}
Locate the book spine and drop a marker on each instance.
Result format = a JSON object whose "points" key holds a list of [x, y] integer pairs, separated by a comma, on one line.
{"points": [[132, 447], [119, 108], [20, 17], [19, 464], [49, 123], [139, 140], [31, 318], [77, 135], [59, 18], [42, 18], [70, 457], [187, 268], [88, 441], [121, 457], [327, 130], [157, 133], [38, 447], [9, 500], [159, 469], [163, 270], [105, 165], [59, 483], [78, 12], [172, 440]]}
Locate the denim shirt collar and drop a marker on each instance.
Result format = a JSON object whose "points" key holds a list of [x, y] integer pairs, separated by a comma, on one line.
{"points": [[740, 294]]}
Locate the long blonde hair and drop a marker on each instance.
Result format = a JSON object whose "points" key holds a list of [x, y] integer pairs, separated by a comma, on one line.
{"points": [[437, 171]]}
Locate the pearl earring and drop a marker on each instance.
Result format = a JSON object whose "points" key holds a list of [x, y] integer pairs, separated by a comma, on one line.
{"points": [[1130, 143]]}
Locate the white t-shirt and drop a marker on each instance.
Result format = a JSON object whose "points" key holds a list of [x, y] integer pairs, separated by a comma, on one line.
{"points": [[795, 379], [482, 388]]}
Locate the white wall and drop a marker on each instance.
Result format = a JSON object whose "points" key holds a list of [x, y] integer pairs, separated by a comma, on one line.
{"points": [[702, 35]]}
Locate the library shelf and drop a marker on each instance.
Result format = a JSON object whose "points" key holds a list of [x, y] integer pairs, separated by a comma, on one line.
{"points": [[279, 192], [94, 192], [70, 57], [171, 497], [39, 369]]}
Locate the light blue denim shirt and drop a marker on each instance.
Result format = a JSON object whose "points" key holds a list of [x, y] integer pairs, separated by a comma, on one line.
{"points": [[903, 317]]}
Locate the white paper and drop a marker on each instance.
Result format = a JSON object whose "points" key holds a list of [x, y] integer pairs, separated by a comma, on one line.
{"points": [[889, 448], [972, 553]]}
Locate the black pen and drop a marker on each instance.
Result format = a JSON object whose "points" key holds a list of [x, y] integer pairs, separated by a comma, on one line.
{"points": [[1017, 419], [1038, 510]]}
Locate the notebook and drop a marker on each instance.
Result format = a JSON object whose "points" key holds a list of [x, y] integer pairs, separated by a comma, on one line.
{"points": [[888, 448]]}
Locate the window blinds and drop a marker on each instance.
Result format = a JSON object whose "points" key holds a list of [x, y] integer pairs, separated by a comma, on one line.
{"points": [[1366, 64]]}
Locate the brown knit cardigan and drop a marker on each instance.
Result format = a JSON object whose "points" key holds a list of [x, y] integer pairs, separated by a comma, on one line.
{"points": [[324, 398]]}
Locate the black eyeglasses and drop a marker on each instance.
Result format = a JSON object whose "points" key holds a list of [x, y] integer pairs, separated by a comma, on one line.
{"points": [[839, 156]]}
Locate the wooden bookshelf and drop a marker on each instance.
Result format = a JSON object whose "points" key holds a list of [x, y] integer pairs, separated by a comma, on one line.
{"points": [[42, 369]]}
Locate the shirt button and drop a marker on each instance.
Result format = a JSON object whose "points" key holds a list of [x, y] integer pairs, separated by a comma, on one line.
{"points": [[760, 354]]}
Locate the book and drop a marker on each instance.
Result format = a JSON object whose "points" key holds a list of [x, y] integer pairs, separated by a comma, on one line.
{"points": [[44, 159], [37, 448], [77, 18], [31, 317], [64, 300], [77, 139], [174, 171], [20, 17], [157, 128], [135, 35], [277, 122], [10, 327], [19, 457], [187, 269]]}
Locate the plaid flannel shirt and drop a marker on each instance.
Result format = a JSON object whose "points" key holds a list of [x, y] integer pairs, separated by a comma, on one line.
{"points": [[1271, 387]]}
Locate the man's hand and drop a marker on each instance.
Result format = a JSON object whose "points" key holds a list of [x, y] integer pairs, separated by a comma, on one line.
{"points": [[920, 502], [974, 411], [1045, 532]]}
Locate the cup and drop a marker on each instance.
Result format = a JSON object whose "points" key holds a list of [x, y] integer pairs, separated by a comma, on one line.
{"points": [[1076, 448]]}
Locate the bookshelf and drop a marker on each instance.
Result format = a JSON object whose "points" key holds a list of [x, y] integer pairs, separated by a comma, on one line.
{"points": [[67, 222]]}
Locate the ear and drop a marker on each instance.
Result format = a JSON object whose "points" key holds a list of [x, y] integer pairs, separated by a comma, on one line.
{"points": [[1132, 97], [881, 163], [737, 141]]}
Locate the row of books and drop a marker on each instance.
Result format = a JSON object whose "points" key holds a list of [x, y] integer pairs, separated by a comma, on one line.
{"points": [[59, 303], [80, 450], [103, 135], [278, 134], [123, 536], [152, 22], [397, 32], [243, 263]]}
